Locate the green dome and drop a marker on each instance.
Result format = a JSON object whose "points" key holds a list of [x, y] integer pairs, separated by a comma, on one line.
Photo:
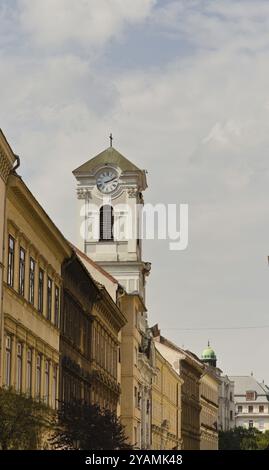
{"points": [[209, 353]]}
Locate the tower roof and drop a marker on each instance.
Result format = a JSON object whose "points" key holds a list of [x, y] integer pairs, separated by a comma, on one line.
{"points": [[108, 156], [208, 353]]}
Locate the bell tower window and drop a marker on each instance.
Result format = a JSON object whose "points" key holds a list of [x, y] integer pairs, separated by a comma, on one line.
{"points": [[106, 222]]}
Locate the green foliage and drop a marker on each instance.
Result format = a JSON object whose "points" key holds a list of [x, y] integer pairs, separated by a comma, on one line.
{"points": [[22, 421], [243, 439], [263, 440], [87, 427]]}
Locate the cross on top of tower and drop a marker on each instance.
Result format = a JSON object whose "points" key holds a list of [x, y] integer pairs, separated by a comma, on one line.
{"points": [[111, 139]]}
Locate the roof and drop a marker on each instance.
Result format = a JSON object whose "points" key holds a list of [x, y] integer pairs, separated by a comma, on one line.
{"points": [[6, 147], [243, 384], [108, 156], [22, 191], [170, 355], [208, 353], [172, 350], [96, 266]]}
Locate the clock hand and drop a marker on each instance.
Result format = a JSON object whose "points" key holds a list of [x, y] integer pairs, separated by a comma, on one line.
{"points": [[111, 179]]}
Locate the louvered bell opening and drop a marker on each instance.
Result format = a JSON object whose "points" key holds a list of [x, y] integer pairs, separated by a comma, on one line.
{"points": [[106, 223]]}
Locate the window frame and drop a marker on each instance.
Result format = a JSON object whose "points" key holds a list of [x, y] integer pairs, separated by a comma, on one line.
{"points": [[49, 298], [10, 262], [57, 306], [38, 375], [8, 361], [19, 367], [106, 216], [29, 369], [22, 260], [40, 300], [32, 266]]}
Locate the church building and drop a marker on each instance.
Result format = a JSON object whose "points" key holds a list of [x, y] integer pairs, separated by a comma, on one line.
{"points": [[109, 191]]}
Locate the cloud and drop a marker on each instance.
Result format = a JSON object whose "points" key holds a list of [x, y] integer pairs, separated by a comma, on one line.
{"points": [[198, 122], [84, 22], [212, 24]]}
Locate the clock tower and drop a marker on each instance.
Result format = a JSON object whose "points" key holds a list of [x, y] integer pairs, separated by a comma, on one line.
{"points": [[109, 191]]}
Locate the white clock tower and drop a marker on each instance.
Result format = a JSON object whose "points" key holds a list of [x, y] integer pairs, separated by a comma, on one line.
{"points": [[109, 190]]}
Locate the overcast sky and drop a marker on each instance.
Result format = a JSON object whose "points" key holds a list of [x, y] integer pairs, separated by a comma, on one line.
{"points": [[184, 87]]}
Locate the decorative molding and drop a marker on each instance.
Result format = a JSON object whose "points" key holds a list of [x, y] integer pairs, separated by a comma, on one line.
{"points": [[83, 193], [5, 166], [132, 192]]}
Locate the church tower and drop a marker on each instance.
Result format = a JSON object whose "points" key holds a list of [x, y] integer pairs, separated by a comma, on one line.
{"points": [[109, 190], [110, 194], [209, 356]]}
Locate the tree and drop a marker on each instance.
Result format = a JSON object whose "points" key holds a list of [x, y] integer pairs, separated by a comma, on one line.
{"points": [[263, 440], [243, 439], [87, 427], [22, 420]]}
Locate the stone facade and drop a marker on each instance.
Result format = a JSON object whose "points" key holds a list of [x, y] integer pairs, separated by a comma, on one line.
{"points": [[89, 345], [251, 403], [209, 396], [7, 160], [190, 370], [166, 405], [226, 417], [34, 252]]}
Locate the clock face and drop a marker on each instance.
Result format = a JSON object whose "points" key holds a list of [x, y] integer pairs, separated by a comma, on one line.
{"points": [[107, 181]]}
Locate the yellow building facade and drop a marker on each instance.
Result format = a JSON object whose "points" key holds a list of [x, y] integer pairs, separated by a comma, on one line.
{"points": [[190, 370], [7, 160], [34, 252], [209, 393], [166, 406], [130, 402], [107, 321]]}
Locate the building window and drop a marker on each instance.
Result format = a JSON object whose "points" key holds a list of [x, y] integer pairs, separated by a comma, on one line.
{"points": [[261, 409], [32, 281], [148, 406], [29, 372], [47, 381], [49, 298], [8, 361], [135, 435], [250, 424], [240, 409], [231, 396], [250, 395], [54, 387], [10, 265], [106, 222], [136, 356], [57, 306], [40, 290], [22, 271], [231, 415], [19, 368], [38, 375], [261, 425], [250, 409], [136, 397]]}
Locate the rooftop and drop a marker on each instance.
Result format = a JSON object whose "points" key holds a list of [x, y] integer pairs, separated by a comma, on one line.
{"points": [[108, 156]]}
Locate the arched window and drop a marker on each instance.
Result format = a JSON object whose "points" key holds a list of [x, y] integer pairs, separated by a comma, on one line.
{"points": [[106, 222]]}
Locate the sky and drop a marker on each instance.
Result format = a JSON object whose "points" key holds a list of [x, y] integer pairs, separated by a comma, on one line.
{"points": [[183, 87]]}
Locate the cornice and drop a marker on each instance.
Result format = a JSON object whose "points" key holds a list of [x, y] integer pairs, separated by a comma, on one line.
{"points": [[7, 158], [20, 194]]}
